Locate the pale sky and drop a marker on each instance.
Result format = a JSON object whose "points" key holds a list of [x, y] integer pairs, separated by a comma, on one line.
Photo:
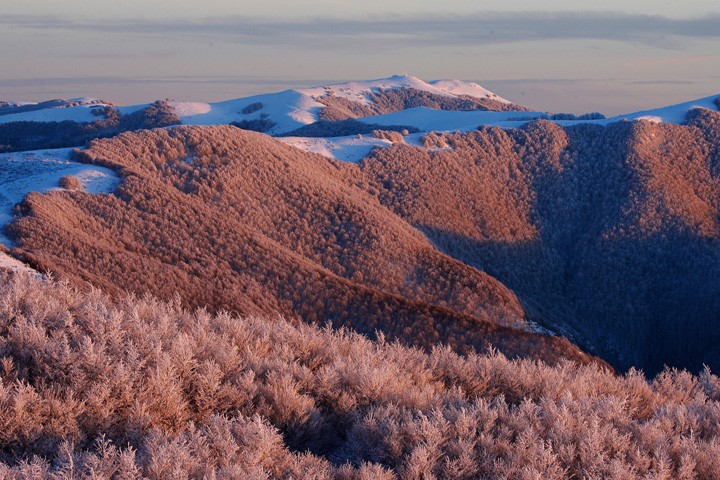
{"points": [[576, 56]]}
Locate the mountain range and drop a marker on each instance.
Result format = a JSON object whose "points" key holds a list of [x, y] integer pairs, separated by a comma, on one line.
{"points": [[430, 212]]}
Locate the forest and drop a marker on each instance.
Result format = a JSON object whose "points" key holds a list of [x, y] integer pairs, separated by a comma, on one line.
{"points": [[132, 387], [234, 220], [606, 236], [31, 135]]}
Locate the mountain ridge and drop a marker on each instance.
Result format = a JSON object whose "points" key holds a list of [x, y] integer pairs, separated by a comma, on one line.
{"points": [[513, 225]]}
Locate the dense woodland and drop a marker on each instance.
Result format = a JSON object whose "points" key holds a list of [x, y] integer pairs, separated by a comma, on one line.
{"points": [[605, 234], [608, 234], [28, 135], [342, 128], [235, 220], [135, 388]]}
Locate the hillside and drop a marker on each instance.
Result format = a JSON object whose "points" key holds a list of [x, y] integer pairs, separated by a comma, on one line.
{"points": [[136, 388], [231, 219], [609, 234]]}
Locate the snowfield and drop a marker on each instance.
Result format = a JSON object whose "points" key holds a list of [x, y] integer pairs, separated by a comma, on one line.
{"points": [[40, 171], [428, 120], [670, 114], [348, 149]]}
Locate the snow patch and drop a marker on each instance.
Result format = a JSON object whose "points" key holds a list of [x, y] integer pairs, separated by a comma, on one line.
{"points": [[40, 171], [348, 149], [187, 109], [14, 265]]}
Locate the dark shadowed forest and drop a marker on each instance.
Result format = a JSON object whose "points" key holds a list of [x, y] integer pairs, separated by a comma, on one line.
{"points": [[26, 135], [608, 234]]}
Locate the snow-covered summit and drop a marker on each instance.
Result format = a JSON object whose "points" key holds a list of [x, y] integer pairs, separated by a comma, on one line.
{"points": [[359, 91], [291, 109], [462, 88], [287, 110]]}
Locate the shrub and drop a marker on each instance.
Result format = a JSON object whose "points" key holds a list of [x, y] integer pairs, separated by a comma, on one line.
{"points": [[139, 388], [390, 135], [261, 125], [252, 108], [71, 182]]}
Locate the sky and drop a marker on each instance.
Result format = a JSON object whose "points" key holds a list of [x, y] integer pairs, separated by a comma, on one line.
{"points": [[556, 55]]}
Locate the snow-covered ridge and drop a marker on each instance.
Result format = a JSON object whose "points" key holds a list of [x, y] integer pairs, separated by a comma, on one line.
{"points": [[292, 109], [462, 88], [670, 114], [289, 109]]}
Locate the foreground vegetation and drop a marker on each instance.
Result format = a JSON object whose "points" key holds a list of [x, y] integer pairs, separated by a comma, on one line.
{"points": [[140, 388]]}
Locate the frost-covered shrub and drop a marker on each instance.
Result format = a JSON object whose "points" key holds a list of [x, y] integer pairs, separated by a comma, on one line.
{"points": [[433, 139], [137, 388], [71, 182], [390, 135]]}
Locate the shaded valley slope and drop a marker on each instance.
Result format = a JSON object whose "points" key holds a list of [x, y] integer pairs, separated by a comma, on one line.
{"points": [[609, 234]]}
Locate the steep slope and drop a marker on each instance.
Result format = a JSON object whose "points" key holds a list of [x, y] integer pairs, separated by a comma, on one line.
{"points": [[235, 220], [610, 234]]}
